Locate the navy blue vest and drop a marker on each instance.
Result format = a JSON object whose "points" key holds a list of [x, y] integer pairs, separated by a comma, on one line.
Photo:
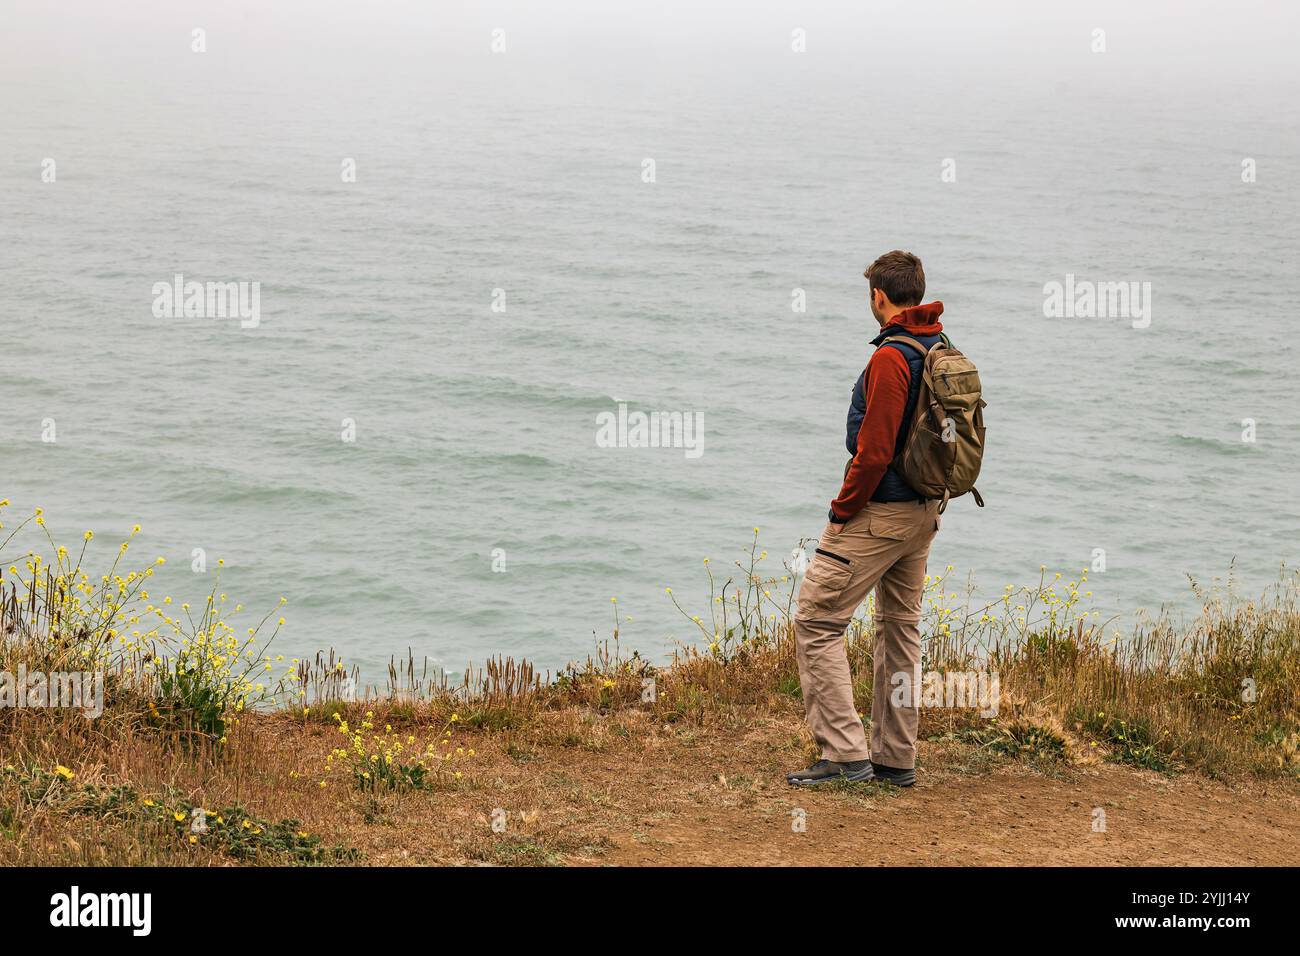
{"points": [[892, 487]]}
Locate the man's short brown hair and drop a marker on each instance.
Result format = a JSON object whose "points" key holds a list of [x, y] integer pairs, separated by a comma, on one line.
{"points": [[899, 275]]}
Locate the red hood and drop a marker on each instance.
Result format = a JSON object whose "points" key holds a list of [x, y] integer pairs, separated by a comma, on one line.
{"points": [[919, 319]]}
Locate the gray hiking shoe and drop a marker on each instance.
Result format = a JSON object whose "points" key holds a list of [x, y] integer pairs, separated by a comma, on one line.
{"points": [[898, 776], [828, 771]]}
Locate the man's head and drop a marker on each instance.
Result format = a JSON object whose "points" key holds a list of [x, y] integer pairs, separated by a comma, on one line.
{"points": [[897, 282]]}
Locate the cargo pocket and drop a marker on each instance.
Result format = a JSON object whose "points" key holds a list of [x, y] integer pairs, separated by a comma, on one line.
{"points": [[828, 575]]}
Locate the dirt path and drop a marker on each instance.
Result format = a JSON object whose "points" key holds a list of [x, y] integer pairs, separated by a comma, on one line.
{"points": [[678, 811], [1006, 818], [584, 789], [661, 796]]}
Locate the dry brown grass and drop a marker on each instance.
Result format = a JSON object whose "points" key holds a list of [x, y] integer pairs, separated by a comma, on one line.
{"points": [[1216, 695]]}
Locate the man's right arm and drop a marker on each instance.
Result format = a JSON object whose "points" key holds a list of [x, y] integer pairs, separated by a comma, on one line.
{"points": [[888, 379]]}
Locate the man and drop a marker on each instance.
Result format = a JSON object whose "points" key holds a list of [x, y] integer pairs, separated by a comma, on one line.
{"points": [[879, 537]]}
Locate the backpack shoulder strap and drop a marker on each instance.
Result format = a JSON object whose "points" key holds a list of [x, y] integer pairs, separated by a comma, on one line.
{"points": [[926, 380], [901, 340], [907, 340]]}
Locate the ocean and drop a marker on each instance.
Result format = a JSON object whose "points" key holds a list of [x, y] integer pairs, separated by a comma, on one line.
{"points": [[405, 445]]}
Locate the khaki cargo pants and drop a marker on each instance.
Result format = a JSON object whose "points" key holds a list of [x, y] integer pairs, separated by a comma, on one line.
{"points": [[884, 546]]}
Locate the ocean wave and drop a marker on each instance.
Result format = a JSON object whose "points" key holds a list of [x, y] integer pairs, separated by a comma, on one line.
{"points": [[1217, 446]]}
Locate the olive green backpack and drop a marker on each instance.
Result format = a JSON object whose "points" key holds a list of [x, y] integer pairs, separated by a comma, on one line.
{"points": [[944, 446]]}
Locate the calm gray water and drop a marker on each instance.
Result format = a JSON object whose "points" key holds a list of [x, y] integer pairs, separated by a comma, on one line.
{"points": [[476, 429]]}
